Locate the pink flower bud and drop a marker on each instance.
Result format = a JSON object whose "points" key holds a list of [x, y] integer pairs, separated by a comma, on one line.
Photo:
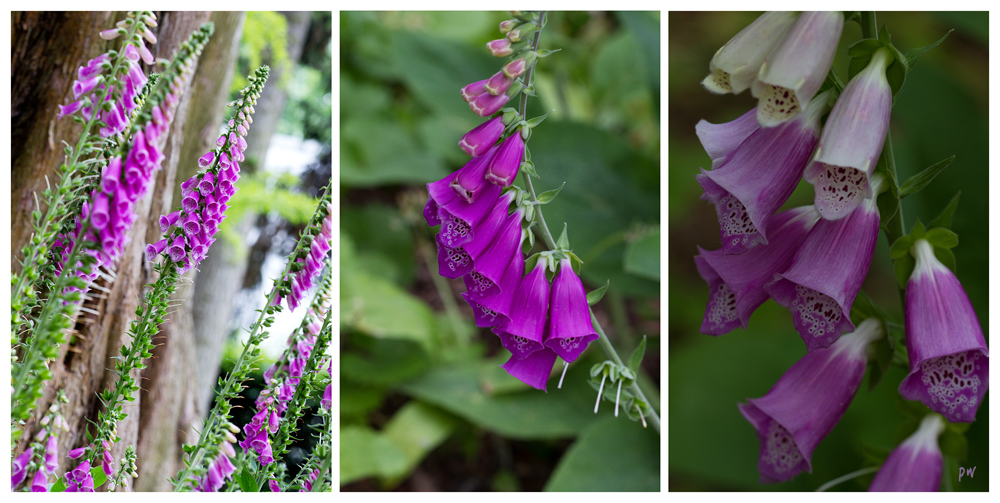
{"points": [[500, 48], [498, 83], [472, 91]]}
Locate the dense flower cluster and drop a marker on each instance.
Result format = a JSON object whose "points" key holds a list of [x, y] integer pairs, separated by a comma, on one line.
{"points": [[480, 238], [312, 264], [190, 231], [813, 259]]}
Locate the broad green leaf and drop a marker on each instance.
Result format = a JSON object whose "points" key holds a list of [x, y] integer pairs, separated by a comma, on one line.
{"points": [[246, 481], [416, 429], [642, 256], [614, 454], [942, 238], [366, 453], [920, 180], [384, 362]]}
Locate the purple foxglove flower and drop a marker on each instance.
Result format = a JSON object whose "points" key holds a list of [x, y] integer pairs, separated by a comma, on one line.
{"points": [[915, 465], [949, 360], [795, 69], [94, 67], [147, 57], [109, 34], [242, 130], [241, 143], [207, 184], [515, 68], [570, 329], [459, 218], [524, 333], [206, 160], [457, 262], [166, 221], [327, 400], [100, 215], [489, 266], [131, 53], [176, 249], [81, 87], [826, 274], [69, 109], [504, 165], [495, 309], [155, 249], [807, 402], [720, 140], [759, 176], [224, 160], [51, 454], [852, 141], [498, 84], [735, 65], [533, 370], [736, 282], [486, 104], [135, 77], [500, 48], [115, 119], [110, 175], [190, 202], [192, 224], [40, 483], [76, 453], [470, 180], [19, 468], [273, 486]]}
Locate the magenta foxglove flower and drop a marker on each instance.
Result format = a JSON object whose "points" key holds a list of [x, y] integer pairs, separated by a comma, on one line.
{"points": [[457, 217], [458, 261], [795, 69], [570, 329], [514, 69], [470, 180], [488, 270], [499, 83], [495, 309], [736, 282], [473, 90], [40, 483], [273, 486], [478, 141], [19, 468], [500, 48], [487, 104], [524, 333], [949, 360], [503, 167], [720, 140], [51, 454], [80, 479], [76, 453], [852, 140], [807, 402], [735, 65], [759, 176], [826, 274], [915, 465], [534, 369]]}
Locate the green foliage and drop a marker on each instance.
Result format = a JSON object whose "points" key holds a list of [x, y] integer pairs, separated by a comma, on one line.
{"points": [[610, 455], [264, 42], [262, 193]]}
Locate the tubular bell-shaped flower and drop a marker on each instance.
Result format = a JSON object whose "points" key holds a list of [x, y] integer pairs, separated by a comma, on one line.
{"points": [[524, 333], [503, 167], [852, 140], [458, 218], [569, 327], [759, 176], [949, 360], [19, 468], [495, 309], [826, 274], [915, 465], [534, 369], [478, 141], [455, 262], [470, 180], [720, 140], [807, 402], [735, 65], [736, 282], [795, 69], [485, 279]]}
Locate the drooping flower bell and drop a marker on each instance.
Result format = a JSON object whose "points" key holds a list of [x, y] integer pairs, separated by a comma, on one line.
{"points": [[486, 277], [852, 140], [795, 69], [524, 333], [826, 274], [720, 140], [949, 360], [570, 329], [807, 402], [494, 310], [534, 369], [455, 262], [503, 168], [458, 217], [481, 138], [915, 465], [735, 65], [19, 468], [736, 282], [759, 176]]}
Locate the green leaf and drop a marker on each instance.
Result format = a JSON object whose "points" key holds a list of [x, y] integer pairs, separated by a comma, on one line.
{"points": [[563, 241], [946, 257], [59, 486], [383, 362], [246, 481], [595, 296], [918, 230], [612, 455], [947, 214], [901, 247], [942, 238], [547, 52], [642, 256], [896, 72], [98, 474], [547, 196], [416, 430], [863, 48], [920, 180], [366, 453], [636, 359], [913, 54]]}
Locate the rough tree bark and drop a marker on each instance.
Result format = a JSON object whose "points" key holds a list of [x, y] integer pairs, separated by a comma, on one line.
{"points": [[47, 47]]}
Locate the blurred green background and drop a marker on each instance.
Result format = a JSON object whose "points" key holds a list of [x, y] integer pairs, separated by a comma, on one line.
{"points": [[424, 404], [942, 110]]}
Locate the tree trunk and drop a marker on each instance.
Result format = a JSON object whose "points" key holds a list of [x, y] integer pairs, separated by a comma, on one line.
{"points": [[47, 48]]}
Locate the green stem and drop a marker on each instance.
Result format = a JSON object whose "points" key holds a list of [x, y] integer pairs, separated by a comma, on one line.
{"points": [[868, 27], [845, 478], [603, 340]]}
